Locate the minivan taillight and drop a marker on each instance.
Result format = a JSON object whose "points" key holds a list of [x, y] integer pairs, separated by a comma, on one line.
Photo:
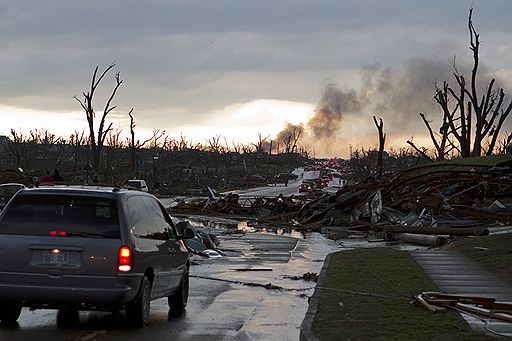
{"points": [[124, 259]]}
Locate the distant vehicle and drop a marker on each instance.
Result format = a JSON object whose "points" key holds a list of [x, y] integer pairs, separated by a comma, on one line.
{"points": [[284, 178], [322, 182], [310, 174], [307, 186], [138, 184], [90, 248], [254, 180], [7, 191]]}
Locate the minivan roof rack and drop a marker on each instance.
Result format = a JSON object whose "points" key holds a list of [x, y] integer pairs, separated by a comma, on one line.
{"points": [[69, 184]]}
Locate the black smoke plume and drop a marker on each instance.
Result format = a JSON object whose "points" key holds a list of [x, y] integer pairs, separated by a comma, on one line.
{"points": [[397, 95], [329, 113]]}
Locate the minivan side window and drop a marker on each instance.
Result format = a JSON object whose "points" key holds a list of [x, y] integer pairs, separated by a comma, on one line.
{"points": [[147, 219], [158, 219], [138, 217]]}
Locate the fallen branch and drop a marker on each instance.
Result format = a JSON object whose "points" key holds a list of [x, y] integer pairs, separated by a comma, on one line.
{"points": [[268, 286]]}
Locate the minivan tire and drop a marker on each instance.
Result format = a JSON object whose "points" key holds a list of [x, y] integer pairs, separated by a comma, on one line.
{"points": [[178, 300], [9, 312], [68, 318], [137, 312]]}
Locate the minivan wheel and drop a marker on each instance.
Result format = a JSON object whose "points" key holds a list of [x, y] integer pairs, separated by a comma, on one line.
{"points": [[9, 311], [137, 311], [178, 300], [67, 317]]}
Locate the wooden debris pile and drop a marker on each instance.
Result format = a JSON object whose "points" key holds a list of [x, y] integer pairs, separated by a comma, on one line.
{"points": [[423, 204], [440, 200], [246, 208]]}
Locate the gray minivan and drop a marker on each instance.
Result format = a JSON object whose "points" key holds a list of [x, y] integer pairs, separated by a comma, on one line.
{"points": [[90, 248]]}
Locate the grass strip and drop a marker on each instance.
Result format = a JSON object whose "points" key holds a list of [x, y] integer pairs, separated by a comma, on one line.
{"points": [[366, 296], [493, 253], [489, 160]]}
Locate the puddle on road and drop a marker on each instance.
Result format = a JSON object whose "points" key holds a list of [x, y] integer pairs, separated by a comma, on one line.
{"points": [[224, 225], [341, 242], [244, 227], [211, 222]]}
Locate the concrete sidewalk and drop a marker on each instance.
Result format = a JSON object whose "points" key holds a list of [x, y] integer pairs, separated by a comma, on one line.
{"points": [[455, 273]]}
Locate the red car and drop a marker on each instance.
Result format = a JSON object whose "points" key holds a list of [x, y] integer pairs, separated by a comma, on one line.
{"points": [[306, 187], [322, 182]]}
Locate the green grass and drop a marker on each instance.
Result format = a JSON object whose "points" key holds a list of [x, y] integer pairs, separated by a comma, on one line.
{"points": [[460, 164], [490, 160], [390, 273], [493, 253]]}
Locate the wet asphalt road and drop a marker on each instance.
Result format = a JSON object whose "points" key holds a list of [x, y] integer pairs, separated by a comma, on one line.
{"points": [[271, 190], [220, 306]]}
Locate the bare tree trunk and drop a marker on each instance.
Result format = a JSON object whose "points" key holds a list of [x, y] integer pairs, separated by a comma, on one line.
{"points": [[441, 145], [469, 116], [268, 160], [382, 140], [134, 145], [97, 139], [419, 151]]}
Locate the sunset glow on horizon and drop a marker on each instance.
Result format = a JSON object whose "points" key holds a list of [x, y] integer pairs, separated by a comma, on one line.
{"points": [[239, 123]]}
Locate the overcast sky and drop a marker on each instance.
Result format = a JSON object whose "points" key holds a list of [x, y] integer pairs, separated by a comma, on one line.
{"points": [[236, 68]]}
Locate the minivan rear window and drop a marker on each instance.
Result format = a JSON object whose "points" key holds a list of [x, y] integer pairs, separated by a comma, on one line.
{"points": [[62, 215]]}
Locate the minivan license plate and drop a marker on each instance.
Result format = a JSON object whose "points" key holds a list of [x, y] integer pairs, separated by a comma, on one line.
{"points": [[51, 258]]}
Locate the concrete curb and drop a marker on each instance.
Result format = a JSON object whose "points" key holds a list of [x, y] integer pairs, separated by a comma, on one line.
{"points": [[306, 331]]}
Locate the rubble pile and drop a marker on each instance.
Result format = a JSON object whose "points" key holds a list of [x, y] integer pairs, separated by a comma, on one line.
{"points": [[434, 201], [247, 208], [439, 200]]}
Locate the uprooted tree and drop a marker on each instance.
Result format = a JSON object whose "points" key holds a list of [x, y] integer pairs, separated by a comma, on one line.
{"points": [[472, 120], [97, 138]]}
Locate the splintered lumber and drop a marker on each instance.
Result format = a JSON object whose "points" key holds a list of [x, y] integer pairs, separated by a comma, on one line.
{"points": [[484, 312], [421, 239], [487, 302], [430, 307], [482, 213], [446, 231], [480, 306]]}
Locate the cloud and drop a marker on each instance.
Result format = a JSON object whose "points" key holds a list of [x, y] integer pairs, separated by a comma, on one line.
{"points": [[183, 61]]}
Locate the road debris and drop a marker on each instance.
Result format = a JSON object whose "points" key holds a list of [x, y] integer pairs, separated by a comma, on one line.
{"points": [[268, 286], [89, 336], [308, 277], [484, 307], [202, 243]]}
